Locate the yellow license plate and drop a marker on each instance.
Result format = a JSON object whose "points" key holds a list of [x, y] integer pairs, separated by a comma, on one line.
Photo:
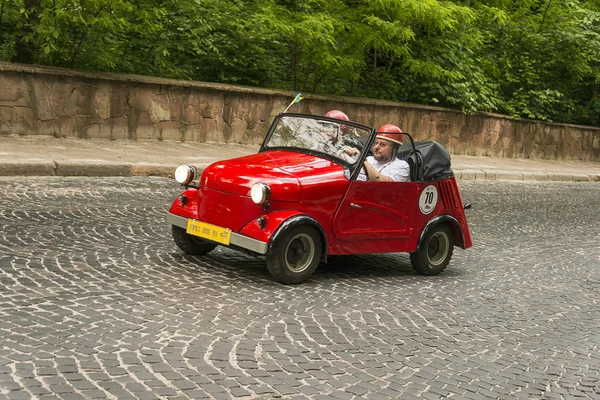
{"points": [[208, 231]]}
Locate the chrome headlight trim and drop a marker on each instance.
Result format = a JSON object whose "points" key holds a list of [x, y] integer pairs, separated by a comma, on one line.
{"points": [[184, 174], [260, 193]]}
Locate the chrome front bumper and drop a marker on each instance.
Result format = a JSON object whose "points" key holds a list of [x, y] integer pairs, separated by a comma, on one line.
{"points": [[236, 239]]}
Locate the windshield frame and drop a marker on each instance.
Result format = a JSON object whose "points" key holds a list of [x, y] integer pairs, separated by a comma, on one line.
{"points": [[352, 168]]}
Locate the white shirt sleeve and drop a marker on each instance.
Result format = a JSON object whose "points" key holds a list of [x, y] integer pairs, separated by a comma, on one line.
{"points": [[397, 170]]}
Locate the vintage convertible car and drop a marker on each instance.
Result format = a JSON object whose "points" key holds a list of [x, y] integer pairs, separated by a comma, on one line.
{"points": [[298, 201]]}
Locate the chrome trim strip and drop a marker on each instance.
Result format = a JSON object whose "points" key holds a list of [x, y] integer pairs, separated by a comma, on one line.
{"points": [[248, 243], [236, 239], [177, 220]]}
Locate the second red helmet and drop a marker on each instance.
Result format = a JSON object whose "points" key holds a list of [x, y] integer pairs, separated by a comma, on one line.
{"points": [[337, 114]]}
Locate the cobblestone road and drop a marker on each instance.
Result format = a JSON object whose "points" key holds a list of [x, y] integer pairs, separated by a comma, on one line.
{"points": [[97, 302]]}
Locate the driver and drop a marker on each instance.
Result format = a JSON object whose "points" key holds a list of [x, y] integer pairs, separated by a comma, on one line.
{"points": [[383, 166]]}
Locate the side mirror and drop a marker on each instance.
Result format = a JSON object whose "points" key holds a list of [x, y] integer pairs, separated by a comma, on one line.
{"points": [[467, 206]]}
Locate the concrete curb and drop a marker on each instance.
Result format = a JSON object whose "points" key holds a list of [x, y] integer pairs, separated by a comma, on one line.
{"points": [[70, 168], [75, 168], [28, 168], [501, 175], [91, 169]]}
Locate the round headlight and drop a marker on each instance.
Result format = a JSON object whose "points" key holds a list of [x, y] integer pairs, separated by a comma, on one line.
{"points": [[184, 174], [260, 193]]}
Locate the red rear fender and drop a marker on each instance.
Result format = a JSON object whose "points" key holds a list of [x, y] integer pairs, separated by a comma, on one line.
{"points": [[462, 237]]}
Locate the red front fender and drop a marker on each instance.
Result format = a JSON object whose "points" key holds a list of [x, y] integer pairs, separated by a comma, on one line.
{"points": [[277, 222], [186, 205]]}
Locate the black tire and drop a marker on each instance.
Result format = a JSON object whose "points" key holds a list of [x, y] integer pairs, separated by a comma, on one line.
{"points": [[190, 244], [295, 255], [436, 251]]}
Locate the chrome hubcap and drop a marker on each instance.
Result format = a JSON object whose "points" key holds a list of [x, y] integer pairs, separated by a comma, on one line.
{"points": [[299, 253], [437, 249]]}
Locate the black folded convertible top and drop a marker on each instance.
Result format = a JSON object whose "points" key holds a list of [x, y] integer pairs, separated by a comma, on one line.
{"points": [[435, 159]]}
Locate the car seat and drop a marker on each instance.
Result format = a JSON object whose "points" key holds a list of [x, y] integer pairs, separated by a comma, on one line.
{"points": [[415, 165], [430, 161]]}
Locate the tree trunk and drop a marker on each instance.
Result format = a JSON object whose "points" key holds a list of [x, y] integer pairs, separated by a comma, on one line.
{"points": [[26, 48], [2, 12], [294, 66], [548, 5]]}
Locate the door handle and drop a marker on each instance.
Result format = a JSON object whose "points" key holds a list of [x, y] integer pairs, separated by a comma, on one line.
{"points": [[354, 205]]}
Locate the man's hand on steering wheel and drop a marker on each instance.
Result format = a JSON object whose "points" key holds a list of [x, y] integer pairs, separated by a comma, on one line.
{"points": [[366, 167]]}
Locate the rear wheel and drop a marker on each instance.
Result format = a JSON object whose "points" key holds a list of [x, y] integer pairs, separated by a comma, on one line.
{"points": [[436, 251], [190, 244], [295, 255]]}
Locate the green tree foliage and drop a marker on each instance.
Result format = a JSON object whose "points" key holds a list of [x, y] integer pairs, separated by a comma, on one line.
{"points": [[546, 60], [535, 59]]}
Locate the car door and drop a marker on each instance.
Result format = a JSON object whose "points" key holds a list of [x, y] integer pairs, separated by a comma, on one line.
{"points": [[376, 211]]}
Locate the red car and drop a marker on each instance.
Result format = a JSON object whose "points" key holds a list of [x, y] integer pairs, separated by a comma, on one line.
{"points": [[298, 200]]}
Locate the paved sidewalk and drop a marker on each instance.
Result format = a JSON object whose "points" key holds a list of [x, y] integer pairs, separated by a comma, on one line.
{"points": [[47, 156]]}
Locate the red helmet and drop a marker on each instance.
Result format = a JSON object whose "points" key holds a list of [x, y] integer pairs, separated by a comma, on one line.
{"points": [[388, 132], [337, 114]]}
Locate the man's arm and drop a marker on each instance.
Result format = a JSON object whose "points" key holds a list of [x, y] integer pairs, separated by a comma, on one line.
{"points": [[351, 145], [397, 171], [376, 176]]}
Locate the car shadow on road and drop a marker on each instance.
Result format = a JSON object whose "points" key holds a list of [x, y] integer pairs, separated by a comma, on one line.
{"points": [[368, 265], [238, 265], [382, 265]]}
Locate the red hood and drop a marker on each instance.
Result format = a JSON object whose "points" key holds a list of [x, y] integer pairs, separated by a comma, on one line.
{"points": [[284, 171]]}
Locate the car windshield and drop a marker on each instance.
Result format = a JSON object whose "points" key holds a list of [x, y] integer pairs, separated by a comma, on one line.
{"points": [[337, 140]]}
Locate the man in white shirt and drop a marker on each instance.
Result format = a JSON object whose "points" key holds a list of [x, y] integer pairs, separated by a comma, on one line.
{"points": [[383, 166]]}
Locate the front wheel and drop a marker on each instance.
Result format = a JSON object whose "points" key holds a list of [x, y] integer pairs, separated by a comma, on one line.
{"points": [[295, 255], [190, 244], [436, 251]]}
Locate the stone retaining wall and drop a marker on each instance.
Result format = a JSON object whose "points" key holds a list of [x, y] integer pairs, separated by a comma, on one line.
{"points": [[66, 103]]}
